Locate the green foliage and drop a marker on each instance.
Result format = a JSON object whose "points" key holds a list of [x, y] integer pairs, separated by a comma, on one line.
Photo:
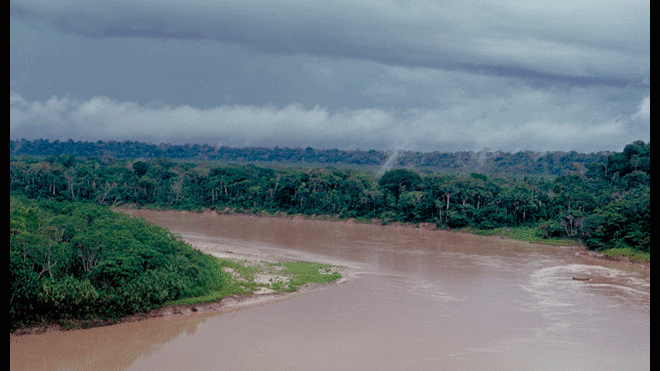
{"points": [[495, 163], [396, 182], [71, 258], [550, 229], [625, 221], [79, 261], [600, 199], [628, 253], [306, 272]]}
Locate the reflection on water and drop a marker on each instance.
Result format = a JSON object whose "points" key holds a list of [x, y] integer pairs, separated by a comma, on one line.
{"points": [[416, 300]]}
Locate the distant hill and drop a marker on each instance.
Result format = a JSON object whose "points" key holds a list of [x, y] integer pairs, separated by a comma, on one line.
{"points": [[486, 162]]}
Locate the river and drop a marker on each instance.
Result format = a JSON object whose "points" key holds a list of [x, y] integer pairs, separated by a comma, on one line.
{"points": [[415, 300]]}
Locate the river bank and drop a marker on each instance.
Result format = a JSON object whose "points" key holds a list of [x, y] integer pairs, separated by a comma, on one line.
{"points": [[256, 279], [265, 284], [526, 234], [416, 299]]}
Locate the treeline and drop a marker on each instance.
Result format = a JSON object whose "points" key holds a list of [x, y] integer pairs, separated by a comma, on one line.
{"points": [[487, 162], [606, 205], [73, 261]]}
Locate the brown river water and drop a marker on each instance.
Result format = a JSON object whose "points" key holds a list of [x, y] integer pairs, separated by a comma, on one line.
{"points": [[414, 300]]}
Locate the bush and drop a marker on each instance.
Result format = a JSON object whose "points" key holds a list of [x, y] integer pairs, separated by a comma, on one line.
{"points": [[550, 229], [79, 261]]}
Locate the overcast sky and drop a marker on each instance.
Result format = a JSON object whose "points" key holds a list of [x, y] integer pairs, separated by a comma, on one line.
{"points": [[355, 74]]}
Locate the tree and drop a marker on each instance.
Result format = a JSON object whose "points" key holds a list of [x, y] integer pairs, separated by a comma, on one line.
{"points": [[84, 261], [395, 182], [140, 168]]}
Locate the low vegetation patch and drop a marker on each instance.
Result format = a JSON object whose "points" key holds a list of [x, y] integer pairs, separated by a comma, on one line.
{"points": [[245, 278], [302, 273], [528, 234], [622, 253]]}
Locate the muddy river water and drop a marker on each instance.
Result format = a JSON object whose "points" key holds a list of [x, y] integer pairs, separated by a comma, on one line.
{"points": [[415, 300]]}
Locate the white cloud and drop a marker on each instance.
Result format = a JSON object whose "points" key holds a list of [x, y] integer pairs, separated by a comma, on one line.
{"points": [[448, 129]]}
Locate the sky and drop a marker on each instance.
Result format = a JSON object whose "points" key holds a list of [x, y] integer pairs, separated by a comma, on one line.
{"points": [[444, 76]]}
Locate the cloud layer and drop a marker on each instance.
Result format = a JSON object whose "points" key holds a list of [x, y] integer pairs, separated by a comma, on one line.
{"points": [[566, 41], [421, 75], [102, 118]]}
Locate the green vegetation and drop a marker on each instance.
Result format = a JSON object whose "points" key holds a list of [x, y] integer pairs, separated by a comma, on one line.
{"points": [[603, 205], [280, 277], [628, 253], [72, 258], [78, 261], [230, 285], [74, 262], [526, 163], [528, 234], [302, 273]]}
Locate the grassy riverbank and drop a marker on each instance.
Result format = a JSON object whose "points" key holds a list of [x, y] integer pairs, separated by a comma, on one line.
{"points": [[533, 235], [264, 277], [626, 253], [528, 234]]}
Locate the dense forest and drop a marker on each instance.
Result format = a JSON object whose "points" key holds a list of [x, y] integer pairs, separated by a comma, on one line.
{"points": [[605, 205], [75, 261], [71, 257], [487, 162]]}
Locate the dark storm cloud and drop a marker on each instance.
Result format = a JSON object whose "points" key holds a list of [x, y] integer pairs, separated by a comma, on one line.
{"points": [[418, 75], [475, 37]]}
